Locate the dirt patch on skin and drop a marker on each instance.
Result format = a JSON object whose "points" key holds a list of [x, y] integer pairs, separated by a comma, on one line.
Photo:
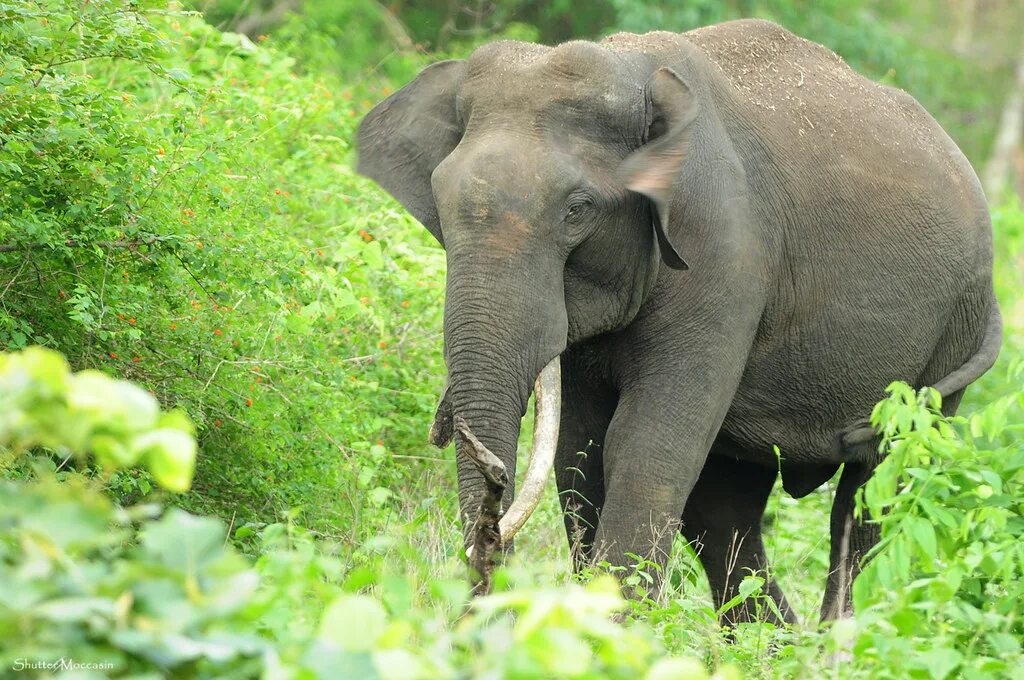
{"points": [[799, 88]]}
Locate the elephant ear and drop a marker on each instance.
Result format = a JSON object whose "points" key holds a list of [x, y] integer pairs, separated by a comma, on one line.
{"points": [[652, 170], [402, 139]]}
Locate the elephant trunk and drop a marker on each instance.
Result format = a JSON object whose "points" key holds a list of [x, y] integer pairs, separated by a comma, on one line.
{"points": [[496, 345]]}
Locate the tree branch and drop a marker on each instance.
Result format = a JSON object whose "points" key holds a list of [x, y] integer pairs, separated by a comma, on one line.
{"points": [[129, 244]]}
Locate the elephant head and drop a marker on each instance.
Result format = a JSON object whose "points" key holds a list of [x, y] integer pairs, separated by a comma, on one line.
{"points": [[546, 174]]}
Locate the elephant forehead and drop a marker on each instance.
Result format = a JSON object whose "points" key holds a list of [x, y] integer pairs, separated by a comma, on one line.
{"points": [[577, 82]]}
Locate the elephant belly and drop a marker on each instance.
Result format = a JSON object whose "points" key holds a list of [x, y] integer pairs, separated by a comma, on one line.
{"points": [[808, 382]]}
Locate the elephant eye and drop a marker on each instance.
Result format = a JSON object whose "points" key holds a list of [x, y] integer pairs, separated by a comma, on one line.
{"points": [[577, 209]]}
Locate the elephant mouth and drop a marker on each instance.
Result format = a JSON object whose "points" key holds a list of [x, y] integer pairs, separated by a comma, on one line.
{"points": [[547, 391]]}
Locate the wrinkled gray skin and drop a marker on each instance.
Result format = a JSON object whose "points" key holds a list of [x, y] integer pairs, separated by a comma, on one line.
{"points": [[836, 240]]}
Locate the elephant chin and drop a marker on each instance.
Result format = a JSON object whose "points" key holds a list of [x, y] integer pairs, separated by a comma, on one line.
{"points": [[547, 416]]}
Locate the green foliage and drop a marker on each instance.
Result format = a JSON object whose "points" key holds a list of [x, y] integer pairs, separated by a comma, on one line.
{"points": [[42, 404], [177, 209], [944, 588]]}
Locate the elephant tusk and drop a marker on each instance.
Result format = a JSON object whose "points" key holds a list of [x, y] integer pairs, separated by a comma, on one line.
{"points": [[547, 392], [547, 416]]}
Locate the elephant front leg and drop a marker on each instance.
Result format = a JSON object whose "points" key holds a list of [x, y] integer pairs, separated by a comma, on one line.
{"points": [[852, 539], [653, 458]]}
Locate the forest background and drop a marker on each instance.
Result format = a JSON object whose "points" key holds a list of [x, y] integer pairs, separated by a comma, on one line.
{"points": [[179, 209]]}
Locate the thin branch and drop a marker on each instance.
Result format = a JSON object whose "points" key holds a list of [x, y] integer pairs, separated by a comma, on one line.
{"points": [[130, 244]]}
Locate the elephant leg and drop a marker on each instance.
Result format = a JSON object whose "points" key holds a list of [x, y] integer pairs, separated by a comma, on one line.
{"points": [[587, 407], [723, 522], [851, 541], [649, 471]]}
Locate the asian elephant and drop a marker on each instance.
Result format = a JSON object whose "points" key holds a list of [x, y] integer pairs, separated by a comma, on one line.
{"points": [[728, 239]]}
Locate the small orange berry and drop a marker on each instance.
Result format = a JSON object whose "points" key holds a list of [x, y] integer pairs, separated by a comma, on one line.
{"points": [[405, 303], [199, 244], [132, 321], [136, 359], [248, 402], [120, 316], [217, 331], [382, 344], [160, 150], [380, 442], [174, 326], [113, 355], [217, 423]]}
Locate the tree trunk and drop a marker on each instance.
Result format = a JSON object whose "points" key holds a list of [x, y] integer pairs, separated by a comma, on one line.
{"points": [[965, 26], [998, 171]]}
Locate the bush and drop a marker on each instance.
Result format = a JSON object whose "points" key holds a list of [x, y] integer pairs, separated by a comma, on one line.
{"points": [[178, 210], [86, 585], [944, 587]]}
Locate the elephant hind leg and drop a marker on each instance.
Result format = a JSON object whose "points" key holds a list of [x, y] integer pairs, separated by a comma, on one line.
{"points": [[853, 539], [587, 408], [722, 520]]}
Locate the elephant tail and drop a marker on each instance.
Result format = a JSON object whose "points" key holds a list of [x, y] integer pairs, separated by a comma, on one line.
{"points": [[980, 361], [857, 441]]}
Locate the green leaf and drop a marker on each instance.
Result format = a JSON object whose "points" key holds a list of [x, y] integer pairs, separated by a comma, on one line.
{"points": [[170, 456], [923, 533], [940, 662], [111, 403], [185, 542], [353, 623], [676, 668], [373, 255], [179, 75]]}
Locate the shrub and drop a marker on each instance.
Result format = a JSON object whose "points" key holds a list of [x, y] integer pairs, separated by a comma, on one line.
{"points": [[178, 209], [86, 585], [943, 588]]}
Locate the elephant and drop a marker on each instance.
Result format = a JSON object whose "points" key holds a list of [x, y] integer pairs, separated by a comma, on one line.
{"points": [[715, 242]]}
